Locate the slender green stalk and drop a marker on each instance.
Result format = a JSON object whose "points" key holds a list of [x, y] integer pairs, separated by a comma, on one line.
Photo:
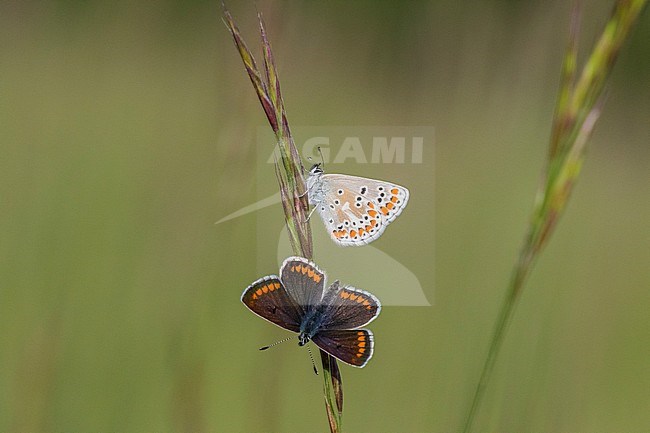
{"points": [[577, 110], [289, 172]]}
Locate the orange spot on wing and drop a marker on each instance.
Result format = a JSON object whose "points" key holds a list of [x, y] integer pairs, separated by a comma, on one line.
{"points": [[317, 278], [368, 227], [277, 285], [362, 344], [371, 206], [265, 289], [304, 270], [310, 273], [344, 294], [358, 355], [383, 210], [362, 337], [360, 300], [353, 297], [259, 292], [372, 213], [394, 199], [361, 232], [254, 296], [394, 191], [390, 205], [362, 350], [353, 233]]}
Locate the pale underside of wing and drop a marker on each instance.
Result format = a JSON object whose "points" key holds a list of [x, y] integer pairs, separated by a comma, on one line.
{"points": [[357, 210]]}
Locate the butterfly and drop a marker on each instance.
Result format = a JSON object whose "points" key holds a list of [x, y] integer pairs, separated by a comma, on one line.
{"points": [[355, 210], [300, 301]]}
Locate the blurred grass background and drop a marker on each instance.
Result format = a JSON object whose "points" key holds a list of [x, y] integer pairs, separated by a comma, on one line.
{"points": [[128, 128]]}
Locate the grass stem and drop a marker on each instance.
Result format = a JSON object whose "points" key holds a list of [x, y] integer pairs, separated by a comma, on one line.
{"points": [[578, 107], [289, 172]]}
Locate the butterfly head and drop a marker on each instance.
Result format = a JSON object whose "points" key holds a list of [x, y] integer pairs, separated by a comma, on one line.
{"points": [[316, 169], [303, 339]]}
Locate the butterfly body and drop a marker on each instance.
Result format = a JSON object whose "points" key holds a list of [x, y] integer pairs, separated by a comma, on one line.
{"points": [[299, 301], [355, 210]]}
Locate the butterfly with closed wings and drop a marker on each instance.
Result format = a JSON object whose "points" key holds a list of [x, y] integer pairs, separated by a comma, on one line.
{"points": [[355, 210]]}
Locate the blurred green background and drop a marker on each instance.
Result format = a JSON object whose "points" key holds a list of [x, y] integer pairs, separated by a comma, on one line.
{"points": [[128, 128]]}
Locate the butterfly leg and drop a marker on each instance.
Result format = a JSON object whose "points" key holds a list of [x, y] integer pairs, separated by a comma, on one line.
{"points": [[311, 213]]}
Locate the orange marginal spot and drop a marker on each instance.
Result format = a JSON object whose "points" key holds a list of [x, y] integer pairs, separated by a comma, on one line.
{"points": [[254, 296], [353, 297], [353, 233], [277, 285], [362, 344], [390, 205], [372, 213], [265, 289], [358, 355], [375, 223], [360, 299], [371, 206], [394, 191], [361, 232], [394, 199], [310, 273], [344, 294], [362, 336], [259, 292], [362, 349], [365, 302], [305, 269], [317, 278], [368, 228], [384, 210]]}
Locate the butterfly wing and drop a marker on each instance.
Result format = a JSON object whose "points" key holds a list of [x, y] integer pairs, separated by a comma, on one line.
{"points": [[353, 347], [348, 308], [269, 299], [357, 210], [303, 280]]}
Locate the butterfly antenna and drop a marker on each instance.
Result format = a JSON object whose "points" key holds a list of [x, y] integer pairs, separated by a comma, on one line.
{"points": [[277, 342], [313, 364], [322, 159]]}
